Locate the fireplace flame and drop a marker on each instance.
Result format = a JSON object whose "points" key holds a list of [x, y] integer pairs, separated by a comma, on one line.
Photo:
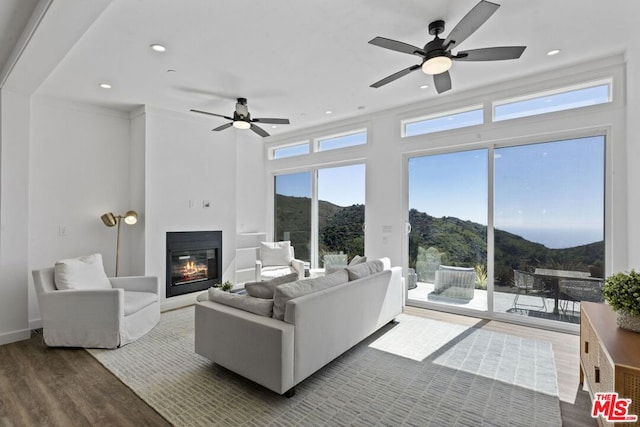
{"points": [[191, 270]]}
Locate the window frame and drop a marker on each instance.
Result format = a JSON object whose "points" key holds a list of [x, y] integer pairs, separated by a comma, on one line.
{"points": [[441, 115]]}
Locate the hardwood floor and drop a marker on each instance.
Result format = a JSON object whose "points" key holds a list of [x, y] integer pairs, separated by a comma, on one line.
{"points": [[41, 386]]}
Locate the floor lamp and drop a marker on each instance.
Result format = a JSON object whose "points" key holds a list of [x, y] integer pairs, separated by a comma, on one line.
{"points": [[109, 219]]}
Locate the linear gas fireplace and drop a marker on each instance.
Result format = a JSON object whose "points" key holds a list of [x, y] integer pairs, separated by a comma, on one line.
{"points": [[194, 261]]}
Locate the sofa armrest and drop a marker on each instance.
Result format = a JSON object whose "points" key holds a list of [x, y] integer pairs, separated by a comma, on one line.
{"points": [[258, 348], [136, 283], [85, 308], [298, 266]]}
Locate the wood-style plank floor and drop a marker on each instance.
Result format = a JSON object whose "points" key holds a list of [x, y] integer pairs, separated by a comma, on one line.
{"points": [[41, 386]]}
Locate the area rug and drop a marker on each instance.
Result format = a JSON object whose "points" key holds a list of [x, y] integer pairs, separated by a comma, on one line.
{"points": [[417, 372]]}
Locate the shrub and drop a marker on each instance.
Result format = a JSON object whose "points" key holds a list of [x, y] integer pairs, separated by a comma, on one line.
{"points": [[622, 292]]}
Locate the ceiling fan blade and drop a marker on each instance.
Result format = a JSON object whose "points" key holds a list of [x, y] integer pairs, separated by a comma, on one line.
{"points": [[470, 23], [397, 46], [223, 127], [211, 114], [272, 121], [491, 53], [257, 129], [395, 76], [442, 82]]}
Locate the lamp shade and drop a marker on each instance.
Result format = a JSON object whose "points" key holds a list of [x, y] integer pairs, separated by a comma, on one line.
{"points": [[109, 219], [131, 217]]}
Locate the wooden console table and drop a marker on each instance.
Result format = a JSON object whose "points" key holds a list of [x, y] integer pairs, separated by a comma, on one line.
{"points": [[609, 357]]}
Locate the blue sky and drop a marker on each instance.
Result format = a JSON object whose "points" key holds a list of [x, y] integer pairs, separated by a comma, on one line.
{"points": [[550, 193]]}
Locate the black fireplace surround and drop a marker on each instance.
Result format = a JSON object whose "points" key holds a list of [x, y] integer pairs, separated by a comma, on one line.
{"points": [[194, 261]]}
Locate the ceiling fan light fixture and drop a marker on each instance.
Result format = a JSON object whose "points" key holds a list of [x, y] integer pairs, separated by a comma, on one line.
{"points": [[241, 124], [436, 65]]}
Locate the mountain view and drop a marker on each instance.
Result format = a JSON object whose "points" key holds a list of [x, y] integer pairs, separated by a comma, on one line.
{"points": [[457, 242]]}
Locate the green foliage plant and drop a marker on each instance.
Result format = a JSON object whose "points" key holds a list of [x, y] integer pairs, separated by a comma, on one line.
{"points": [[226, 286], [622, 292], [481, 276]]}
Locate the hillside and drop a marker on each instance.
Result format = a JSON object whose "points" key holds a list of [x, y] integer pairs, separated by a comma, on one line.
{"points": [[462, 243]]}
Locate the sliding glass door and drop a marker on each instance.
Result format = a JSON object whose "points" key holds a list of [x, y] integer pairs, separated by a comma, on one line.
{"points": [[448, 201], [546, 222], [549, 228], [325, 224]]}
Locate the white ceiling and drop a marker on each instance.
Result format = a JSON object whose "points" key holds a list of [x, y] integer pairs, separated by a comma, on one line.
{"points": [[299, 58]]}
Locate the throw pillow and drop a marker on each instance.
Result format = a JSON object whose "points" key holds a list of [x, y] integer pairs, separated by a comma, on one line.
{"points": [[86, 272], [259, 306], [291, 290], [358, 260], [365, 269], [275, 253], [265, 288]]}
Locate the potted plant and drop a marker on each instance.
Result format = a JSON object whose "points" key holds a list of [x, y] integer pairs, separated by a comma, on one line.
{"points": [[622, 292]]}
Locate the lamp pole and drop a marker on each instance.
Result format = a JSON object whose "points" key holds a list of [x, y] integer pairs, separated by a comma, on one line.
{"points": [[119, 220]]}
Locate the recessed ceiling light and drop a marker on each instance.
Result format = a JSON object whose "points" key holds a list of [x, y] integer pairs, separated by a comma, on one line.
{"points": [[158, 47], [361, 107], [424, 87], [171, 71], [105, 85], [553, 52], [274, 127], [328, 112]]}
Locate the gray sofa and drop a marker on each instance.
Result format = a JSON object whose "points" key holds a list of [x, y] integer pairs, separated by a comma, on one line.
{"points": [[317, 327]]}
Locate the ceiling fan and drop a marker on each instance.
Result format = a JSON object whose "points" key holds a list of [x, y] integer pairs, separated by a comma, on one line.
{"points": [[437, 56], [242, 119]]}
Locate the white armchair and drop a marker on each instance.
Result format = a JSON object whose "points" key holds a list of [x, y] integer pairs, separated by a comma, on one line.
{"points": [[277, 259], [102, 314]]}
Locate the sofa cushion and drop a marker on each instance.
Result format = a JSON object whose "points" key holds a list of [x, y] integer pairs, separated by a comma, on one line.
{"points": [[86, 272], [136, 301], [260, 306], [357, 260], [275, 253], [265, 288], [287, 291], [271, 272], [365, 269]]}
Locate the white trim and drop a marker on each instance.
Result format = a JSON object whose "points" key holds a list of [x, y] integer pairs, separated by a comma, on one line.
{"points": [[441, 115], [9, 337]]}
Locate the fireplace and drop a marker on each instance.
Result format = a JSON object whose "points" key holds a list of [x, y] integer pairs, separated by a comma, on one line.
{"points": [[194, 261]]}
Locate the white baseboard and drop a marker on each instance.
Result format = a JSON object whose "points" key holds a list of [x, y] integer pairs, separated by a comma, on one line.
{"points": [[35, 324], [179, 301], [10, 337]]}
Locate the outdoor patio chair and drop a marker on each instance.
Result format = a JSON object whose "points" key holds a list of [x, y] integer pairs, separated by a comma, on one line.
{"points": [[529, 284], [574, 291]]}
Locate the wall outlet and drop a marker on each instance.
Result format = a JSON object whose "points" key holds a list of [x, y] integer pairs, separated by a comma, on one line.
{"points": [[62, 230]]}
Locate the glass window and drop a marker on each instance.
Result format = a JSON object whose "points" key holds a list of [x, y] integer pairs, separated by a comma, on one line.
{"points": [[442, 122], [291, 151], [293, 212], [552, 101], [342, 141], [340, 214]]}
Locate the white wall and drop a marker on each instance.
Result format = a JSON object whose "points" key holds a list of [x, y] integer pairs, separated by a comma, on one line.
{"points": [[78, 170], [14, 232], [251, 193], [186, 162]]}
